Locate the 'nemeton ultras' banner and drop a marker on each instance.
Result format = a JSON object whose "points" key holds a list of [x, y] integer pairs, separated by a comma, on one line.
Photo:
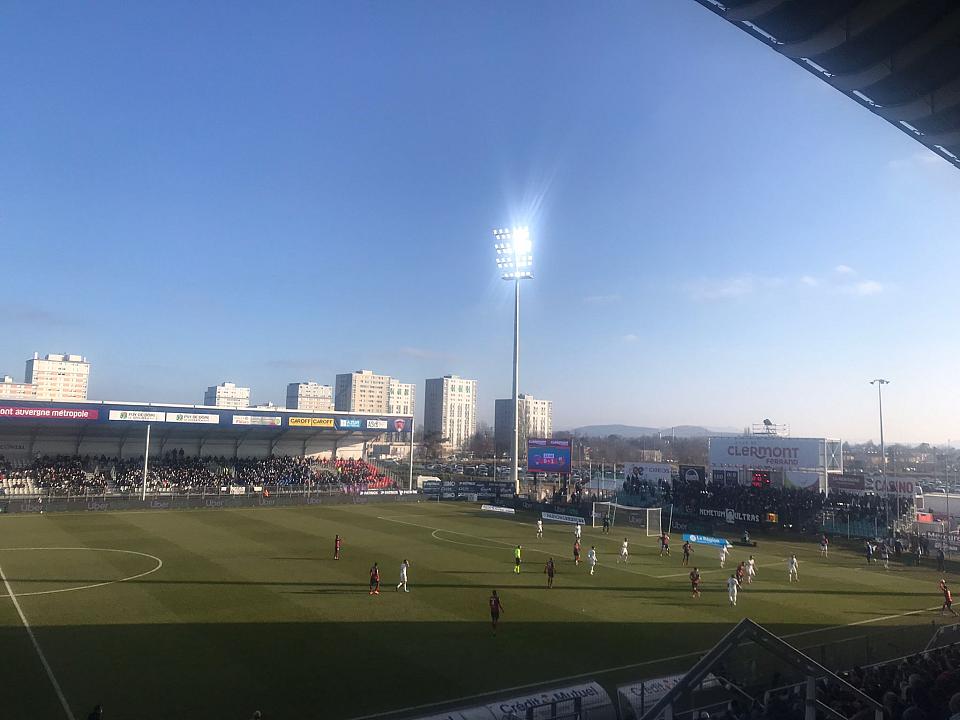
{"points": [[767, 453]]}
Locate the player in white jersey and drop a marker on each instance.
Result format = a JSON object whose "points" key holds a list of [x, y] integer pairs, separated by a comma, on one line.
{"points": [[576, 531], [539, 529], [751, 570], [733, 585], [404, 566], [624, 553], [723, 555], [792, 565], [592, 558]]}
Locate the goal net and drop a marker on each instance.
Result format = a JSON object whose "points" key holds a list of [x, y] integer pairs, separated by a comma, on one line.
{"points": [[616, 514]]}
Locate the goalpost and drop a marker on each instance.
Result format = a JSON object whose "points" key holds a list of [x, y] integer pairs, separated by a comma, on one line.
{"points": [[648, 518]]}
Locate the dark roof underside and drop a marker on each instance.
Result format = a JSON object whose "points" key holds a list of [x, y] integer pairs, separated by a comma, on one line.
{"points": [[898, 58]]}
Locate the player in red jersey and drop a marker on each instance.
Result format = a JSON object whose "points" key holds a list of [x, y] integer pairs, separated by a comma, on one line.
{"points": [[695, 582], [550, 570], [495, 609], [664, 545], [576, 552], [947, 599], [337, 542], [375, 580]]}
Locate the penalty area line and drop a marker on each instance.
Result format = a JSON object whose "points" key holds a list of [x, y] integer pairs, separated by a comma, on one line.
{"points": [[504, 543], [36, 646]]}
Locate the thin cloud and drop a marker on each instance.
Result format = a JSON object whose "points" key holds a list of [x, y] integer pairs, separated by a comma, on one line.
{"points": [[842, 279], [601, 299], [864, 288], [34, 315], [724, 288], [924, 159], [424, 353], [630, 338]]}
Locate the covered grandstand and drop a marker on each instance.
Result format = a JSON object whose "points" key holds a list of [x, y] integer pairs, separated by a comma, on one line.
{"points": [[98, 448], [900, 59], [29, 429]]}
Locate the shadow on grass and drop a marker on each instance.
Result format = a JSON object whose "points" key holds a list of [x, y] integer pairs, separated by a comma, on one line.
{"points": [[349, 669], [675, 589]]}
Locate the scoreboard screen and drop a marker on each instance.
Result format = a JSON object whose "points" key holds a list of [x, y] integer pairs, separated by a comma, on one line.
{"points": [[761, 478]]}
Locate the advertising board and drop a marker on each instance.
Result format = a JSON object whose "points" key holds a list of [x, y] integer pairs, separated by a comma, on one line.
{"points": [[705, 540], [802, 480], [846, 483], [196, 418], [267, 420], [730, 516], [136, 416], [767, 453], [648, 472], [349, 423], [693, 473], [47, 413], [557, 517], [545, 455], [310, 422]]}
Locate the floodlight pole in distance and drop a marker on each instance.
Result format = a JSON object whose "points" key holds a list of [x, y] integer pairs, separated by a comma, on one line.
{"points": [[880, 382], [146, 465], [515, 262]]}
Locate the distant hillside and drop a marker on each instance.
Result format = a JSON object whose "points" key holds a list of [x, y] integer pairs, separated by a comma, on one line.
{"points": [[633, 431]]}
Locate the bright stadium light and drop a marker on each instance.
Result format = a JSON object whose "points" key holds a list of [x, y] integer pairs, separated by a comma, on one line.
{"points": [[515, 262], [514, 256]]}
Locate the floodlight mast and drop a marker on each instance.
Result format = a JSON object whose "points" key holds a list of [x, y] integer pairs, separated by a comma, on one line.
{"points": [[880, 382], [515, 262]]}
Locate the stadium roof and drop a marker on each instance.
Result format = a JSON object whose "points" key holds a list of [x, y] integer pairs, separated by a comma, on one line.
{"points": [[86, 419], [898, 58]]}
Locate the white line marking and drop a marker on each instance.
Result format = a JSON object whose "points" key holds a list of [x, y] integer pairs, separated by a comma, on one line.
{"points": [[36, 646], [617, 566], [619, 668], [95, 585]]}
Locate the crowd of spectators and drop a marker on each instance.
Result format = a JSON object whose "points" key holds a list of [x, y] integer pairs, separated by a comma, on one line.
{"points": [[174, 472], [920, 687], [793, 506], [59, 475]]}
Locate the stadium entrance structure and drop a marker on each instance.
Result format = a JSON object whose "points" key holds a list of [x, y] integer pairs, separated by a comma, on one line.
{"points": [[31, 429], [896, 58]]}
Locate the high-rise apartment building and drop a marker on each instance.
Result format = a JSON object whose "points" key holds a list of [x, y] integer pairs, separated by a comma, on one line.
{"points": [[362, 391], [450, 409], [536, 421], [402, 398], [309, 396], [227, 395], [58, 377], [10, 390]]}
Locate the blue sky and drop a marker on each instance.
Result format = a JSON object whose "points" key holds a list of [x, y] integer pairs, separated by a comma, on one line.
{"points": [[192, 193]]}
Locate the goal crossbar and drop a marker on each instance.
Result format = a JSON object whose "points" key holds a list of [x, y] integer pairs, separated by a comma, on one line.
{"points": [[648, 518]]}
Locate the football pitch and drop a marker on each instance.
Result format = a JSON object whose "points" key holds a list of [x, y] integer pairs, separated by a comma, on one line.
{"points": [[216, 613]]}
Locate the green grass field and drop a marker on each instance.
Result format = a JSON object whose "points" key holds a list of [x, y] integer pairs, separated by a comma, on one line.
{"points": [[250, 611]]}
